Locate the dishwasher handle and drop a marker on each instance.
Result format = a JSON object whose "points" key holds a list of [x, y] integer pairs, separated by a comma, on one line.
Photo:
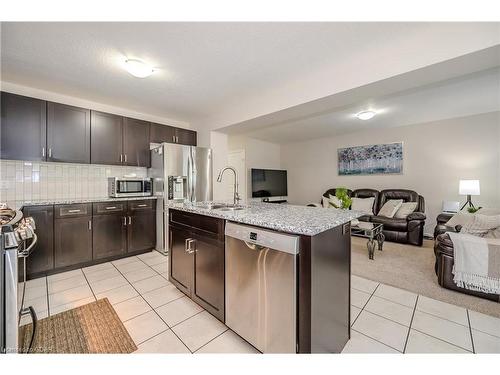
{"points": [[254, 246]]}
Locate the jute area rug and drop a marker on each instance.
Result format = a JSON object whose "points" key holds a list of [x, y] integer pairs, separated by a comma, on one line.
{"points": [[92, 328], [412, 268]]}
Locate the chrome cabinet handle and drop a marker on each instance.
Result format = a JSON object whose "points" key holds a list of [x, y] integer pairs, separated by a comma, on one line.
{"points": [[190, 241], [121, 158], [142, 205], [130, 220], [124, 221], [50, 152], [43, 151], [111, 208], [73, 211], [125, 157], [90, 224], [173, 138]]}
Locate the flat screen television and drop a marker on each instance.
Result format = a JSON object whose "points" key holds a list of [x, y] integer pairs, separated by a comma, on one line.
{"points": [[269, 183]]}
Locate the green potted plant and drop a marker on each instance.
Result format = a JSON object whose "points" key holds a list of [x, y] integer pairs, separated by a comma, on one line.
{"points": [[343, 197]]}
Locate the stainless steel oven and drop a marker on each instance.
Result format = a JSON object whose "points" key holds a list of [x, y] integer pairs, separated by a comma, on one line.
{"points": [[129, 187]]}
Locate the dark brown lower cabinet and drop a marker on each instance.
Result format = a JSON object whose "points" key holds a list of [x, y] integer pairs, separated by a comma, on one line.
{"points": [[109, 235], [72, 235], [72, 241], [181, 262], [141, 230], [208, 288], [41, 258], [197, 259]]}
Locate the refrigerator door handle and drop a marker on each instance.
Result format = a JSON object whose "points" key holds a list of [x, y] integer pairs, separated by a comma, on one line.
{"points": [[189, 182], [192, 177]]}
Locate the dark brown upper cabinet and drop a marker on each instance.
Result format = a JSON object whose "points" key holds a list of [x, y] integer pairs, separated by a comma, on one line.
{"points": [[23, 127], [162, 133], [106, 138], [68, 133], [185, 137], [136, 143]]}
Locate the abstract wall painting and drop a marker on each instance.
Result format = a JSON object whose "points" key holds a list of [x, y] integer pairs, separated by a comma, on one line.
{"points": [[371, 159]]}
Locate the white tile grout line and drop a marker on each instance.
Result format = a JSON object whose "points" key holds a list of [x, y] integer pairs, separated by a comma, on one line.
{"points": [[140, 294], [470, 331], [411, 322]]}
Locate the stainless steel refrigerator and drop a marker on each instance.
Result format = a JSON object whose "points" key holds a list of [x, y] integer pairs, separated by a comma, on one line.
{"points": [[181, 174]]}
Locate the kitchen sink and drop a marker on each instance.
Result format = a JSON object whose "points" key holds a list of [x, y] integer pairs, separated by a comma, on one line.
{"points": [[230, 208]]}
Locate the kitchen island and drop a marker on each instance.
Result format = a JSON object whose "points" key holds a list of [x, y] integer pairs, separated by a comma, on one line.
{"points": [[198, 261]]}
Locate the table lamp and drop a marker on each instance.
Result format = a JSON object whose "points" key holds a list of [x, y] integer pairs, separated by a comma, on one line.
{"points": [[468, 187]]}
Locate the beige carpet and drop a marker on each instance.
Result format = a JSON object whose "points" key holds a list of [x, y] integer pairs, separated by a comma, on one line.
{"points": [[412, 268], [91, 328]]}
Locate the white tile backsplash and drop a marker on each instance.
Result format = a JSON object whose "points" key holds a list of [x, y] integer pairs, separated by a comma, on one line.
{"points": [[26, 181]]}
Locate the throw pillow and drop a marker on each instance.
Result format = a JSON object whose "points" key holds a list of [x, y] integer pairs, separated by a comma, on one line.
{"points": [[460, 218], [405, 209], [335, 202], [481, 225], [390, 208], [331, 202], [364, 205]]}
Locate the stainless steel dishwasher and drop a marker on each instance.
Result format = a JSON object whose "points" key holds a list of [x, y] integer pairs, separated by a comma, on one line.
{"points": [[261, 294]]}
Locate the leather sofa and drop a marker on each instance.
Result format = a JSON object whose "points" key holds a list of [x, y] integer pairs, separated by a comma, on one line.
{"points": [[409, 230], [443, 249]]}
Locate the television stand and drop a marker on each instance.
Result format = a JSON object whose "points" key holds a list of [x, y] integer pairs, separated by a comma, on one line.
{"points": [[275, 201]]}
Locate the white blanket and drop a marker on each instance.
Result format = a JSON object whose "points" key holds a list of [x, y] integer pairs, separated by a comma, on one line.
{"points": [[476, 262]]}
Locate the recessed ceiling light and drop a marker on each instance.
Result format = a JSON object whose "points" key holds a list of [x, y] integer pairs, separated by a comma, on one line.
{"points": [[138, 68], [365, 115]]}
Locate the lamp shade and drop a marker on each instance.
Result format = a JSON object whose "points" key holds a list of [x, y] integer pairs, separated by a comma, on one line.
{"points": [[469, 187]]}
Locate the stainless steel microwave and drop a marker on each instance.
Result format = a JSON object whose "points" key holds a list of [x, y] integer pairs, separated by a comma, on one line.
{"points": [[129, 187]]}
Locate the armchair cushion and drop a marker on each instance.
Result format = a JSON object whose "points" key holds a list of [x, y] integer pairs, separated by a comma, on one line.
{"points": [[400, 225], [416, 216]]}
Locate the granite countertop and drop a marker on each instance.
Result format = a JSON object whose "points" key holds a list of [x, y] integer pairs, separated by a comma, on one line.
{"points": [[45, 202], [281, 217]]}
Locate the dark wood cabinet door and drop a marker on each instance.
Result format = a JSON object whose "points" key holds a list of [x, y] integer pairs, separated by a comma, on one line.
{"points": [[136, 143], [23, 127], [141, 231], [42, 257], [68, 133], [161, 133], [106, 138], [208, 288], [181, 262], [185, 137], [72, 241], [109, 236]]}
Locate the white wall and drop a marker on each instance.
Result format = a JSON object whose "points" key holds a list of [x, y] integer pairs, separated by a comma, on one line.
{"points": [[258, 154], [436, 156]]}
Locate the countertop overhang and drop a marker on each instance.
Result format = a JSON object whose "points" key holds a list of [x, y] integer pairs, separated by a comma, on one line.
{"points": [[288, 218], [48, 202]]}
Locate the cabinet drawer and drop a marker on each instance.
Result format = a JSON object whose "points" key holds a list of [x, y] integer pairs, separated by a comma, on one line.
{"points": [[106, 208], [200, 222], [72, 210], [140, 205]]}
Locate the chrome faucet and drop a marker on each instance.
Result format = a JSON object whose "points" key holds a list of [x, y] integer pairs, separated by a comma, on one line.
{"points": [[236, 196]]}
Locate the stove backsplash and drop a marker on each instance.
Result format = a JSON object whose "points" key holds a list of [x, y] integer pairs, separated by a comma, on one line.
{"points": [[23, 181]]}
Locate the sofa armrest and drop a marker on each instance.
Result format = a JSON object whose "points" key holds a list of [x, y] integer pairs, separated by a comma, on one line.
{"points": [[314, 205], [416, 216]]}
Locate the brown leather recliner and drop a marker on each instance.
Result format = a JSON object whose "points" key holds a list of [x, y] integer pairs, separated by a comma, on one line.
{"points": [[409, 230], [443, 249]]}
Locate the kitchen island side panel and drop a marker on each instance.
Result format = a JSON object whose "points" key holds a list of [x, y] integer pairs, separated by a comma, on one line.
{"points": [[330, 256]]}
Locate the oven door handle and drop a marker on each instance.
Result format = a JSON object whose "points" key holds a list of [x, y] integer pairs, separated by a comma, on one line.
{"points": [[26, 252]]}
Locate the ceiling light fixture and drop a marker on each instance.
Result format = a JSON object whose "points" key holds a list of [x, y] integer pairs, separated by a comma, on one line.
{"points": [[138, 68], [365, 115]]}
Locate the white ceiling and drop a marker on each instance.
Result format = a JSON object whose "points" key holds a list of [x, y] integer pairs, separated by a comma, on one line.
{"points": [[463, 96], [204, 68]]}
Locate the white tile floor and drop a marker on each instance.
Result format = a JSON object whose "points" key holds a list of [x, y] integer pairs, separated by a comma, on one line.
{"points": [[385, 319], [160, 319]]}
